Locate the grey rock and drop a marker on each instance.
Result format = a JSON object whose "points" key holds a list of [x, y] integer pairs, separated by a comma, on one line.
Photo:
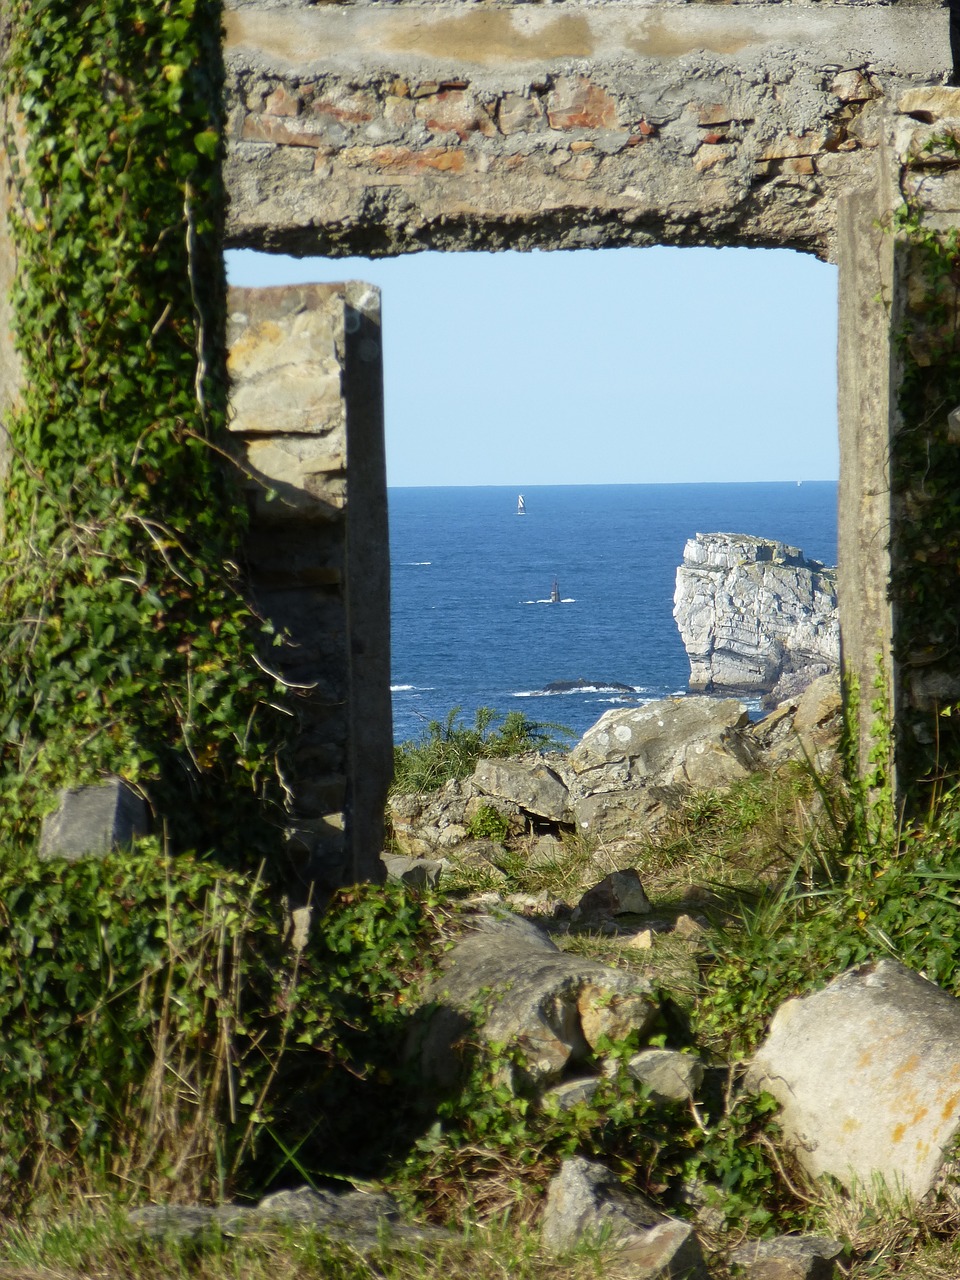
{"points": [[423, 825], [806, 727], [569, 1094], [752, 610], [436, 822], [867, 1073], [668, 1075], [620, 893], [92, 821], [416, 873], [181, 1222], [792, 684], [676, 742], [360, 1218], [521, 991], [788, 1258], [587, 1198], [527, 782], [625, 814], [352, 1213]]}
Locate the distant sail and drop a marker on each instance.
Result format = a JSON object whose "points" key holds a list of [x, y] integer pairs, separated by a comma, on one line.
{"points": [[521, 509], [555, 593]]}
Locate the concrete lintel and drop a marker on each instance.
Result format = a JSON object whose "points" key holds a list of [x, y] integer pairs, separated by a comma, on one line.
{"points": [[438, 40]]}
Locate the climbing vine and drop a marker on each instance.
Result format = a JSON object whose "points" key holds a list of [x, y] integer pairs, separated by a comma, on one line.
{"points": [[126, 642], [925, 481]]}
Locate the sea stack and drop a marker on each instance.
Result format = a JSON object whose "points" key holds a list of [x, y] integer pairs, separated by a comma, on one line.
{"points": [[755, 615]]}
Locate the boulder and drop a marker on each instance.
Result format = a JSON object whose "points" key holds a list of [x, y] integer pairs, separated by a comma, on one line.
{"points": [[867, 1072], [415, 873], [571, 1093], [527, 782], [586, 1198], [632, 754], [808, 727], [753, 610], [625, 815], [508, 982]]}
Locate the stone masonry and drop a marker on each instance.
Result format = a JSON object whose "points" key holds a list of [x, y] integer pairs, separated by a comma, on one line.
{"points": [[370, 128], [306, 411], [378, 129], [367, 128]]}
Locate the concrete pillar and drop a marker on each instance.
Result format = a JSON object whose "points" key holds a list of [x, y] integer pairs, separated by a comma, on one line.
{"points": [[306, 411], [899, 546], [866, 380]]}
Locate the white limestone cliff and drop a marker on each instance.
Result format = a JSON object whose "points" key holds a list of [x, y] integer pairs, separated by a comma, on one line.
{"points": [[755, 614]]}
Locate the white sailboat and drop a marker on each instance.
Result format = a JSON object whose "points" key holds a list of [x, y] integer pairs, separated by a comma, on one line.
{"points": [[521, 509]]}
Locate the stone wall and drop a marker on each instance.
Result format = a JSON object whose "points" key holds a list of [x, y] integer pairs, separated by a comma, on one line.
{"points": [[306, 411], [365, 128]]}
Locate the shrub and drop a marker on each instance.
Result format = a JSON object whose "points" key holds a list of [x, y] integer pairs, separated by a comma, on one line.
{"points": [[488, 824], [159, 1037], [451, 750]]}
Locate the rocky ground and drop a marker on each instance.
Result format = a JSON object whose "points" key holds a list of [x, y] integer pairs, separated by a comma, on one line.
{"points": [[585, 894]]}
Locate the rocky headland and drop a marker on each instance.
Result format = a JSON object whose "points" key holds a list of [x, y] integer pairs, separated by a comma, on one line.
{"points": [[755, 616]]}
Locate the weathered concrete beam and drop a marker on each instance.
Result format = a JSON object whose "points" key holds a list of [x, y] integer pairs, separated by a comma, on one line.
{"points": [[369, 129], [438, 39]]}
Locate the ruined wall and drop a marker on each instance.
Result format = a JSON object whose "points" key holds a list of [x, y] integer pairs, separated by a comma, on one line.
{"points": [[306, 411], [364, 128]]}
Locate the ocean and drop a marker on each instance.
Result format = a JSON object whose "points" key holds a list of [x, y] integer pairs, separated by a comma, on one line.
{"points": [[472, 620]]}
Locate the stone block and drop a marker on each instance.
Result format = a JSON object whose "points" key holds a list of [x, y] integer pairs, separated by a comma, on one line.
{"points": [[930, 103], [284, 366], [517, 113], [454, 111], [528, 783], [867, 1072], [576, 103], [90, 822], [305, 472]]}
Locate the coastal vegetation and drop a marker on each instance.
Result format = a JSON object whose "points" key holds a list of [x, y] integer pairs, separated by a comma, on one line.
{"points": [[450, 749], [164, 1042]]}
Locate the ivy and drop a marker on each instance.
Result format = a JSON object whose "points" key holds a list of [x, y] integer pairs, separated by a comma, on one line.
{"points": [[925, 482], [126, 640]]}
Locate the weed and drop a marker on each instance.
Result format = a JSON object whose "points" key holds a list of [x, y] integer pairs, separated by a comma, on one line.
{"points": [[488, 824]]}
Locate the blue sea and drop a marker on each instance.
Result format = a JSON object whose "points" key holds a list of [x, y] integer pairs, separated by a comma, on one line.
{"points": [[473, 624]]}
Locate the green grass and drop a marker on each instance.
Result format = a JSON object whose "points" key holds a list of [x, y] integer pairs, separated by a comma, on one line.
{"points": [[90, 1243]]}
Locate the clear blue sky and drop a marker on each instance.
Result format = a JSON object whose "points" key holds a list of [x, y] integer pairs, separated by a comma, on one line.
{"points": [[615, 366]]}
